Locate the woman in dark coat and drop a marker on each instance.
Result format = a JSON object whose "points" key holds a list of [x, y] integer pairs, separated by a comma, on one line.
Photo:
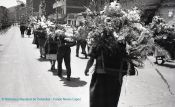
{"points": [[51, 48], [22, 29], [29, 31], [35, 38], [106, 80]]}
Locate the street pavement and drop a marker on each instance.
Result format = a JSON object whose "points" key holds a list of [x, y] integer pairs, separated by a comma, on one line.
{"points": [[149, 89], [25, 80]]}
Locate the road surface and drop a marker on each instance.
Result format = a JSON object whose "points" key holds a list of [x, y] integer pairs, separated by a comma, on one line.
{"points": [[23, 75], [25, 80]]}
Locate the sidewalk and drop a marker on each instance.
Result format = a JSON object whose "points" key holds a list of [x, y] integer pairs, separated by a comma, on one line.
{"points": [[145, 90]]}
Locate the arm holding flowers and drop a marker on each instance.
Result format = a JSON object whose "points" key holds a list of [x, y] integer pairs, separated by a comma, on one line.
{"points": [[89, 65]]}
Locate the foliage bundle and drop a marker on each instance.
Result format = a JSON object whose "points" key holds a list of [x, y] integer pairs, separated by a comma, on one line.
{"points": [[114, 26]]}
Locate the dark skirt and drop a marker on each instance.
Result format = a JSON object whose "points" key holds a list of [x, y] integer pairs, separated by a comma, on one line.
{"points": [[41, 41], [51, 47], [35, 40], [104, 90], [28, 31], [22, 29]]}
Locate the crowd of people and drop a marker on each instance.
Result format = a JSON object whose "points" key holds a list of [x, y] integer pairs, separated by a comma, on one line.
{"points": [[24, 28], [55, 45], [117, 42]]}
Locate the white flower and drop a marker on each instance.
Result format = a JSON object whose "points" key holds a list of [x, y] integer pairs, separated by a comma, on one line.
{"points": [[115, 34], [114, 9], [43, 25], [115, 5], [102, 12], [138, 26], [133, 15], [107, 20], [43, 19], [59, 32], [49, 23]]}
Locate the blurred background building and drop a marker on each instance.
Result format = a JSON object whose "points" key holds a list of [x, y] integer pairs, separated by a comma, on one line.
{"points": [[69, 11], [167, 11]]}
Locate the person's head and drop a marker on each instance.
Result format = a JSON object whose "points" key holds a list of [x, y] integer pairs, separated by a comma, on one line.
{"points": [[81, 23]]}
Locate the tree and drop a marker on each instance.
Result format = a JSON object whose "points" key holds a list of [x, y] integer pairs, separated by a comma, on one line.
{"points": [[4, 16]]}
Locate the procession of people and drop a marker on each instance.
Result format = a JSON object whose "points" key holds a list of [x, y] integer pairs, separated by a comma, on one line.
{"points": [[117, 41]]}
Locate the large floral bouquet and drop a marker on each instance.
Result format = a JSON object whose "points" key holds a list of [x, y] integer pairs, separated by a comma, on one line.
{"points": [[42, 27], [163, 35], [115, 28]]}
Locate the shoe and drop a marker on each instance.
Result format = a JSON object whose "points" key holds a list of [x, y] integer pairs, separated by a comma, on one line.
{"points": [[77, 55], [60, 75], [52, 68], [86, 72], [68, 78], [86, 57], [83, 52]]}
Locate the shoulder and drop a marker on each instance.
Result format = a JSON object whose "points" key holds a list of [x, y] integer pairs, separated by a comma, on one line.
{"points": [[93, 52]]}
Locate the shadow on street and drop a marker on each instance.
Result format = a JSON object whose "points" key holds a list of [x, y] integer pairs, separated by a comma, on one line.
{"points": [[55, 72], [75, 82], [83, 58], [42, 59]]}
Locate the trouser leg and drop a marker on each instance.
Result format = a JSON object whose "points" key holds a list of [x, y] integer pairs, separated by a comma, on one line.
{"points": [[40, 48], [52, 64], [77, 48], [42, 51], [22, 33], [37, 42], [83, 46], [60, 60], [88, 47], [67, 63]]}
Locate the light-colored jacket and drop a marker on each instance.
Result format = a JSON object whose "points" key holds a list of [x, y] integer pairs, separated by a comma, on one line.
{"points": [[82, 32]]}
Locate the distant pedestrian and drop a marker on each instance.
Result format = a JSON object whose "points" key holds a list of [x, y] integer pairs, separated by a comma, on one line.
{"points": [[35, 37], [22, 29], [51, 50], [81, 41], [29, 31]]}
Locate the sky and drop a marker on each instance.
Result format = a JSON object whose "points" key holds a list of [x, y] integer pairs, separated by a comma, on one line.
{"points": [[9, 3]]}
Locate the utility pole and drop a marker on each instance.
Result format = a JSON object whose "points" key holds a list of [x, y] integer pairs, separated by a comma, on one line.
{"points": [[55, 6], [42, 8], [56, 14]]}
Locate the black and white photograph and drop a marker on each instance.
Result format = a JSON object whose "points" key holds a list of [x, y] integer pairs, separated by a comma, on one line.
{"points": [[87, 53]]}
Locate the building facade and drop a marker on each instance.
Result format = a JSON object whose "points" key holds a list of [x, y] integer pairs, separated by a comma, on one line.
{"points": [[29, 6], [148, 7], [167, 11], [3, 16], [68, 9], [34, 7]]}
